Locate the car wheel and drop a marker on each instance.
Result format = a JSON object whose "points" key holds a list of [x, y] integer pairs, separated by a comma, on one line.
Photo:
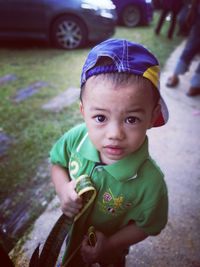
{"points": [[68, 32], [131, 16]]}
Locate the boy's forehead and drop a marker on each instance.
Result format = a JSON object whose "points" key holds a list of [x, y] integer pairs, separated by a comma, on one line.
{"points": [[117, 99]]}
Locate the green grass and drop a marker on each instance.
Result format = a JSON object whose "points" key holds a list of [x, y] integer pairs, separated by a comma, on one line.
{"points": [[33, 129]]}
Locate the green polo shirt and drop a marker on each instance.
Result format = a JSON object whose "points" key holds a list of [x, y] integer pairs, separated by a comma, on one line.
{"points": [[132, 189]]}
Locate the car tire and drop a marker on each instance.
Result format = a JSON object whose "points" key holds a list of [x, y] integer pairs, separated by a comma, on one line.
{"points": [[68, 32], [131, 16]]}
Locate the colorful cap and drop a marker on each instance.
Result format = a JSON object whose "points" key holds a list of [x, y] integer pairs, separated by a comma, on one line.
{"points": [[126, 57]]}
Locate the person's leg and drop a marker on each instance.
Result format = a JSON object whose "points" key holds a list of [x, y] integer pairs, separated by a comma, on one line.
{"points": [[190, 50], [163, 15], [183, 28], [195, 83], [172, 24]]}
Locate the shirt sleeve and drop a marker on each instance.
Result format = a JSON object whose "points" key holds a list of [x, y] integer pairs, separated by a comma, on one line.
{"points": [[150, 212], [59, 153], [63, 148], [153, 219]]}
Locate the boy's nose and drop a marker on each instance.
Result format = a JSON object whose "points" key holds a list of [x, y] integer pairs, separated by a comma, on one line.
{"points": [[115, 131]]}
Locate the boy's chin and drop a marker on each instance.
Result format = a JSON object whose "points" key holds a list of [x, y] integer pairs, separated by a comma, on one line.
{"points": [[108, 160]]}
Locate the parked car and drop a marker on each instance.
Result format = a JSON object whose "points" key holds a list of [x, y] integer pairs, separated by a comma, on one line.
{"points": [[134, 12], [67, 24]]}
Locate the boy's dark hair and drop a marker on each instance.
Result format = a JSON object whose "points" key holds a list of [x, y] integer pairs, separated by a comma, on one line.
{"points": [[121, 79]]}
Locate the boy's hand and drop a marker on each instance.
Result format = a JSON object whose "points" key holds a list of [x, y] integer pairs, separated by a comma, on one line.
{"points": [[71, 202], [97, 253]]}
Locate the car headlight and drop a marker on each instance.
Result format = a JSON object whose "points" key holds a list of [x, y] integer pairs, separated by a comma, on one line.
{"points": [[104, 4], [102, 8]]}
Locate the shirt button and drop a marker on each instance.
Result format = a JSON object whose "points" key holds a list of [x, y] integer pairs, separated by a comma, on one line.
{"points": [[99, 169]]}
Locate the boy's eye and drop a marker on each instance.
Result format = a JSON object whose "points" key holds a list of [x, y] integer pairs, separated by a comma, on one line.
{"points": [[132, 120], [100, 118]]}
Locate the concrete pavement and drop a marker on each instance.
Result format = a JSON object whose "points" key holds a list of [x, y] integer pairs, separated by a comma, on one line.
{"points": [[176, 148]]}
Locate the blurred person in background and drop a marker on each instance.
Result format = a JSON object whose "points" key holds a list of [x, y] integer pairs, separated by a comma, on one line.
{"points": [[191, 49], [169, 7], [183, 26]]}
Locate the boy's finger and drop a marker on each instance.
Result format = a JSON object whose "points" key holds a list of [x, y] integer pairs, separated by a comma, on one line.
{"points": [[73, 208], [73, 182]]}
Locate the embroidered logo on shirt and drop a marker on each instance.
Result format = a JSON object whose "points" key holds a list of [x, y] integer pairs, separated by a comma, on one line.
{"points": [[74, 167], [113, 205]]}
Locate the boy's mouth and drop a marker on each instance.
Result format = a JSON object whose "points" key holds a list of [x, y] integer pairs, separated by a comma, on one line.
{"points": [[114, 150]]}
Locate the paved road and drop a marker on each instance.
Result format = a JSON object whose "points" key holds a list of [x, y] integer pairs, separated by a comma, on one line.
{"points": [[176, 148]]}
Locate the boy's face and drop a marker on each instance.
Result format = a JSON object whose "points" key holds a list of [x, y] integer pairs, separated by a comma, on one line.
{"points": [[117, 118]]}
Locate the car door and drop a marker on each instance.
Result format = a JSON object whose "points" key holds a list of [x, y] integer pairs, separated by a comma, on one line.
{"points": [[22, 16]]}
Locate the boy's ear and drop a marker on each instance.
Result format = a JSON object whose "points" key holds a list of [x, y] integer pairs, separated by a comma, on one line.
{"points": [[81, 108], [155, 114]]}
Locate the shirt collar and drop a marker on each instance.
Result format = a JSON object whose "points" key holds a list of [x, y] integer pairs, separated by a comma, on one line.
{"points": [[124, 169], [87, 149]]}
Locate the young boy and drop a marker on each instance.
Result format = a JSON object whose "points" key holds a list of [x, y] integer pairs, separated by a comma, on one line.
{"points": [[120, 101]]}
